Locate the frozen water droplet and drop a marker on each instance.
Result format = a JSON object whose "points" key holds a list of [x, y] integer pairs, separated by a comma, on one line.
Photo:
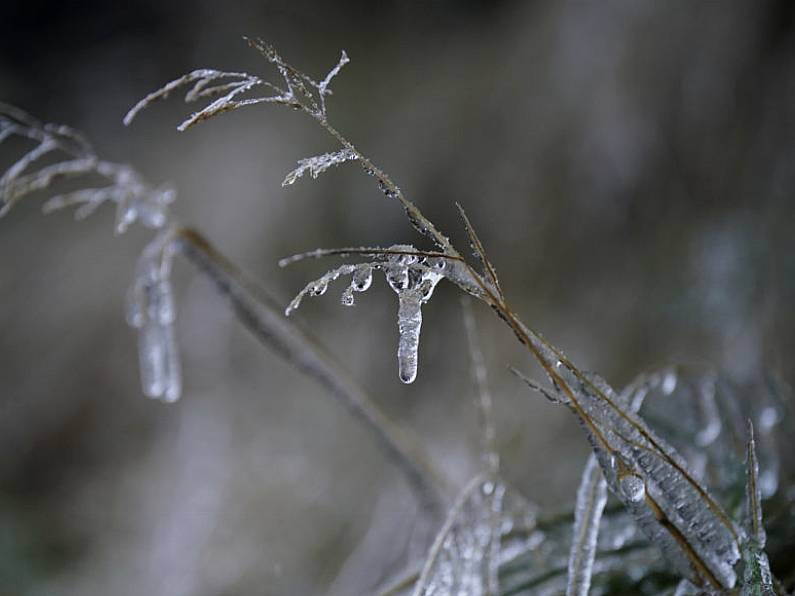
{"points": [[669, 382], [633, 488], [437, 263], [398, 277], [347, 297], [362, 278], [318, 288]]}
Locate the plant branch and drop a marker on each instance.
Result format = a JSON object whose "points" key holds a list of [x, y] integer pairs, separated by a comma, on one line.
{"points": [[263, 317]]}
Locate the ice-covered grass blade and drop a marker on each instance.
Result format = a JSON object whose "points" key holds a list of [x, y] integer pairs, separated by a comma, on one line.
{"points": [[591, 500], [757, 579], [650, 478], [464, 555]]}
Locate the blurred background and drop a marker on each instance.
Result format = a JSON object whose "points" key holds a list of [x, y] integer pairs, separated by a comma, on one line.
{"points": [[630, 167]]}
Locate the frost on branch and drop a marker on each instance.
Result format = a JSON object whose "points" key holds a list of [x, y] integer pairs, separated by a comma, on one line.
{"points": [[68, 156], [411, 274], [318, 164], [150, 309], [227, 91]]}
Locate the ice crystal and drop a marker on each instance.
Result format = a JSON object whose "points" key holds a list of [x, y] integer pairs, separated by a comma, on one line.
{"points": [[150, 309], [73, 157], [464, 556], [318, 164], [411, 274]]}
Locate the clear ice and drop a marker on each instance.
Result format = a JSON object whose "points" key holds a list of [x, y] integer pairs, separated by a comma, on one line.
{"points": [[150, 309]]}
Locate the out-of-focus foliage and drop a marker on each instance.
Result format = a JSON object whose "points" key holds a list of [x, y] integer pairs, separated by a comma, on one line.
{"points": [[629, 168]]}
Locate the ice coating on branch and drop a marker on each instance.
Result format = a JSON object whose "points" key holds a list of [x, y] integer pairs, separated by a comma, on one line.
{"points": [[150, 309], [465, 554], [318, 164], [411, 275], [229, 91]]}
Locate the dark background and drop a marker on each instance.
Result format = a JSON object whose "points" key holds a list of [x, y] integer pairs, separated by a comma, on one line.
{"points": [[630, 167]]}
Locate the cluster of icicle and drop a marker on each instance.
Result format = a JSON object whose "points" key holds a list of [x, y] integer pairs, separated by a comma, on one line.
{"points": [[151, 304], [607, 545], [411, 275]]}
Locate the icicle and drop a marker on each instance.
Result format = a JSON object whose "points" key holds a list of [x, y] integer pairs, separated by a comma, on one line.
{"points": [[150, 308], [409, 323]]}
